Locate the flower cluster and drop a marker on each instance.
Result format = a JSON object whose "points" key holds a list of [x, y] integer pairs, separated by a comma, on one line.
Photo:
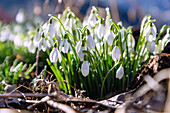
{"points": [[96, 53], [97, 48]]}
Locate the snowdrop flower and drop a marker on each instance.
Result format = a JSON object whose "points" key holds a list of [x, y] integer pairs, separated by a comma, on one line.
{"points": [[92, 18], [20, 17], [31, 47], [131, 41], [78, 46], [51, 30], [89, 40], [5, 35], [150, 32], [115, 53], [150, 46], [36, 39], [107, 21], [69, 23], [26, 42], [85, 68], [109, 37], [64, 45], [17, 40], [42, 44], [79, 49], [101, 29], [55, 55], [120, 72]]}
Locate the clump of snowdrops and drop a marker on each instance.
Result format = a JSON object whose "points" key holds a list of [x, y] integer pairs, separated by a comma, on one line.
{"points": [[97, 55]]}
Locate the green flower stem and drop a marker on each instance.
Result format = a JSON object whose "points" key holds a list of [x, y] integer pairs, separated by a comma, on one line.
{"points": [[164, 27], [66, 73], [103, 83], [58, 75]]}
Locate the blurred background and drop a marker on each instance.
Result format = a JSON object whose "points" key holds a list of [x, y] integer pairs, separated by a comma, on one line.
{"points": [[130, 12]]}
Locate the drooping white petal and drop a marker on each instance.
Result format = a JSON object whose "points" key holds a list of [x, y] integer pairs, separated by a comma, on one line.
{"points": [[17, 40], [31, 47], [109, 36], [54, 55], [85, 68], [78, 46], [66, 46], [40, 44], [131, 41], [101, 31], [81, 54], [151, 46], [51, 31], [90, 42], [26, 42], [36, 39], [120, 72], [44, 45], [115, 53]]}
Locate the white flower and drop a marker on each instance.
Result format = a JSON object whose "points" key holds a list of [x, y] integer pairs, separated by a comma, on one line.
{"points": [[90, 42], [150, 46], [78, 46], [79, 49], [51, 31], [150, 32], [5, 35], [42, 45], [92, 18], [66, 45], [101, 31], [26, 42], [81, 54], [120, 72], [55, 55], [36, 39], [131, 41], [115, 53], [17, 40], [20, 17], [31, 47], [85, 68], [107, 21], [109, 36], [122, 32]]}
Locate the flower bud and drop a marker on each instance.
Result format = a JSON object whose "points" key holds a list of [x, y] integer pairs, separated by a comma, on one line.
{"points": [[120, 72], [115, 53], [151, 46], [85, 68]]}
